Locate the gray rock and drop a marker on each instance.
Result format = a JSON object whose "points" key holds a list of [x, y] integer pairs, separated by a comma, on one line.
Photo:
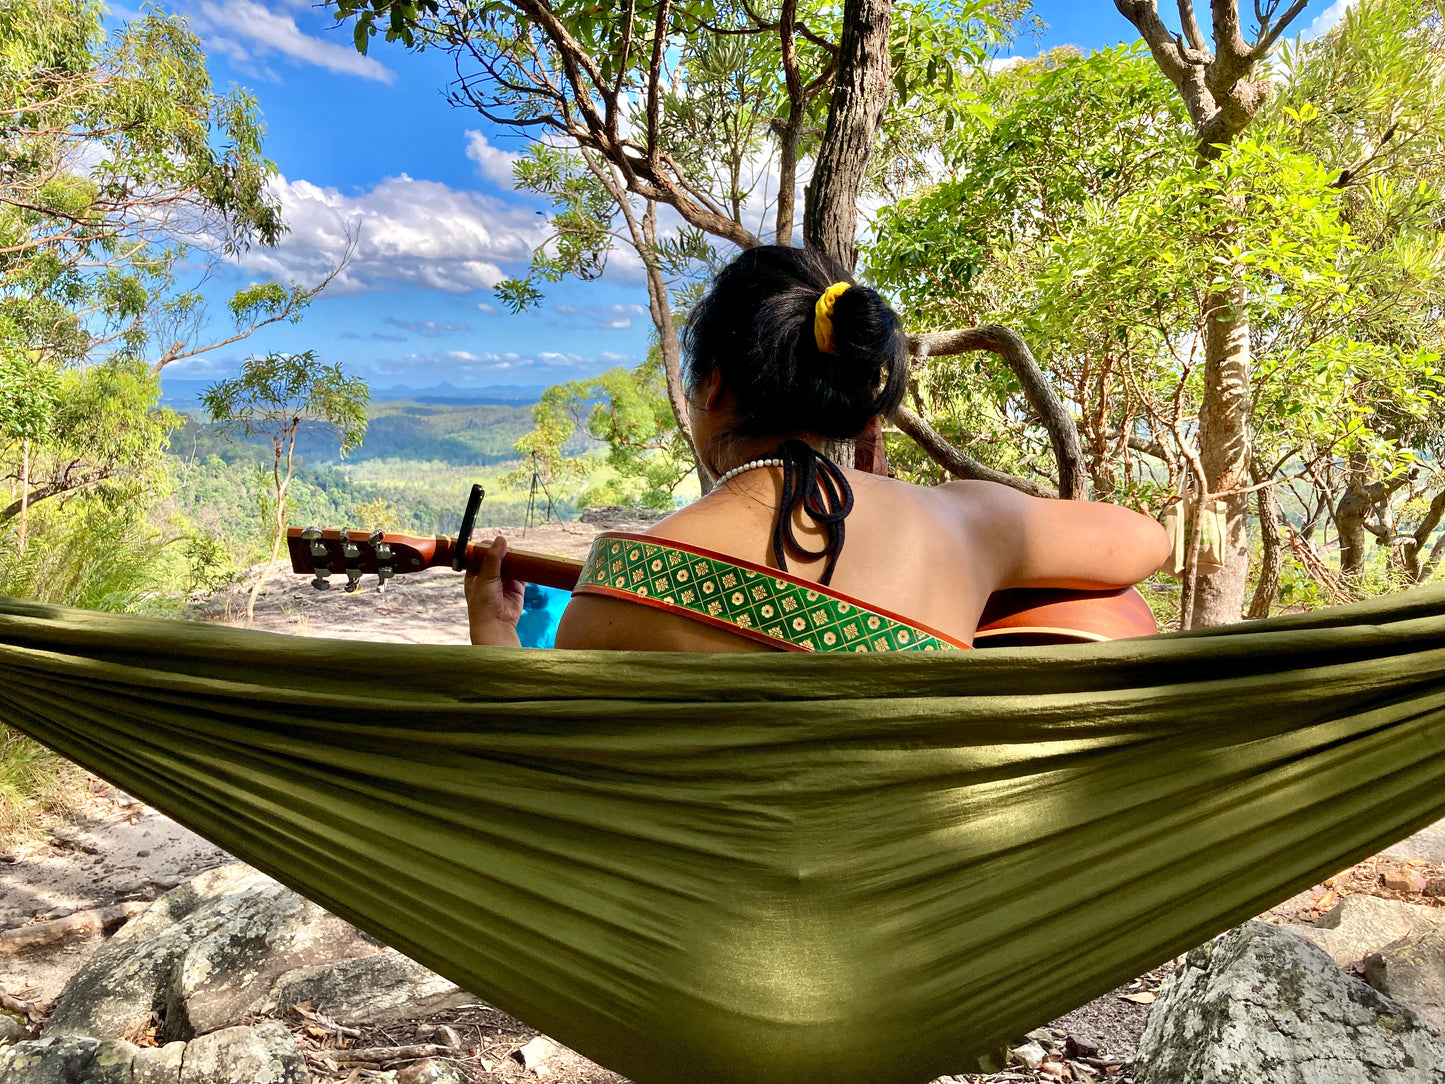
{"points": [[67, 1059], [124, 980], [1412, 972], [1262, 1006], [226, 973], [158, 1064], [264, 1054], [208, 951], [376, 989], [11, 1029], [1360, 925], [430, 1071]]}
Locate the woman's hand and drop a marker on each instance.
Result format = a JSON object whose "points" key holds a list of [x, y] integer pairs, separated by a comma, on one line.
{"points": [[494, 604]]}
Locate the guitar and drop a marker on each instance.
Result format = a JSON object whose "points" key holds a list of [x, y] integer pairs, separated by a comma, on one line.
{"points": [[1018, 617]]}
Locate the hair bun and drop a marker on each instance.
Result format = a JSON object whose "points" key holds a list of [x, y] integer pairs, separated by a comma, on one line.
{"points": [[758, 324]]}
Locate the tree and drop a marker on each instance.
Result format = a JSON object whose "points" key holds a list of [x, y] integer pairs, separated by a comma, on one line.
{"points": [[1222, 93], [1080, 215], [122, 172], [683, 105], [277, 396]]}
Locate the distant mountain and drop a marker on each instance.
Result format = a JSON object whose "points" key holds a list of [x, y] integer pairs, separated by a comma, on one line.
{"points": [[186, 394]]}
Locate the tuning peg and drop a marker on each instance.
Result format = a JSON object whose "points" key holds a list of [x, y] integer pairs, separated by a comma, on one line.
{"points": [[353, 580], [350, 550], [385, 572], [311, 534], [376, 536], [318, 549], [320, 582]]}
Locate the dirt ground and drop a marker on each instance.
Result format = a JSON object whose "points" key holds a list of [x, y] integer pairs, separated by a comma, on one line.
{"points": [[113, 849]]}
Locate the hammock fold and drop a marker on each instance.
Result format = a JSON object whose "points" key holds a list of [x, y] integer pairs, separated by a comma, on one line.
{"points": [[769, 867]]}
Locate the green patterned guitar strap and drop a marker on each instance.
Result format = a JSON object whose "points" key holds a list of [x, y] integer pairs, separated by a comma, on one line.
{"points": [[751, 600]]}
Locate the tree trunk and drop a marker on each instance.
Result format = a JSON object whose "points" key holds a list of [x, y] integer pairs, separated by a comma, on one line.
{"points": [[1272, 553], [860, 95], [24, 493], [1224, 449], [660, 306]]}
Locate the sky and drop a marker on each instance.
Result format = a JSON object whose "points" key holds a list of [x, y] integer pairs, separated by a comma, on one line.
{"points": [[372, 142]]}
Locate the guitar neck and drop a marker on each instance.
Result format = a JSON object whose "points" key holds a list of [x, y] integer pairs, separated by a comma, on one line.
{"points": [[327, 553]]}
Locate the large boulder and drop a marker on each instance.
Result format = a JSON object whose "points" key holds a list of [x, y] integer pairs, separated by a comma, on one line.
{"points": [[377, 989], [158, 1064], [264, 1054], [1360, 925], [205, 954], [1263, 1006], [1412, 972], [67, 1059]]}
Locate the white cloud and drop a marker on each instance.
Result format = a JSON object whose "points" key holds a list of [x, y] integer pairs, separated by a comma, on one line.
{"points": [[262, 31], [466, 367], [412, 233], [492, 162], [490, 310], [605, 317], [1327, 20], [430, 328]]}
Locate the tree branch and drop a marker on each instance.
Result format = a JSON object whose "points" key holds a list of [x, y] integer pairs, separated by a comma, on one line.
{"points": [[958, 463], [1063, 432]]}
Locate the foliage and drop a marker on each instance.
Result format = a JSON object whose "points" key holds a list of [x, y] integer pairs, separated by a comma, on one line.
{"points": [[627, 411], [276, 397], [1077, 216]]}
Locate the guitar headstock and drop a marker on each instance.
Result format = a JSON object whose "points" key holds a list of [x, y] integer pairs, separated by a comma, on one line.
{"points": [[355, 554]]}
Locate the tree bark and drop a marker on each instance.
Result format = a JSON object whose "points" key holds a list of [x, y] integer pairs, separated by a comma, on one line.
{"points": [[860, 96], [1224, 450], [957, 462], [24, 493], [1272, 553]]}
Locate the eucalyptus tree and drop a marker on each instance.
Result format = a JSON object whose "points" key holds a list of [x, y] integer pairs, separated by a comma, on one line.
{"points": [[122, 171], [276, 397]]}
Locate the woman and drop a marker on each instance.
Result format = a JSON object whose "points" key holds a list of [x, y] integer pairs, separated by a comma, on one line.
{"points": [[785, 354]]}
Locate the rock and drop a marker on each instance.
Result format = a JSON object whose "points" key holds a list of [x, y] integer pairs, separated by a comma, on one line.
{"points": [[1360, 925], [444, 1035], [1261, 1004], [1082, 1046], [1031, 1055], [376, 989], [538, 1051], [124, 979], [1435, 886], [1404, 880], [158, 1064], [264, 1054], [11, 1029], [67, 1059], [57, 1060], [1412, 972], [226, 974], [430, 1071], [208, 951]]}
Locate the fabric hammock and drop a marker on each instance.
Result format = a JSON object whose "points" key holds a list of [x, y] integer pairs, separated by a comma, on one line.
{"points": [[755, 867]]}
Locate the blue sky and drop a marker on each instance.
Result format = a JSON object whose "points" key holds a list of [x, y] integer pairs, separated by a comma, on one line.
{"points": [[371, 140]]}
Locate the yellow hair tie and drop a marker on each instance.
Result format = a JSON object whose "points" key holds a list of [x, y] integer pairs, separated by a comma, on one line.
{"points": [[823, 317]]}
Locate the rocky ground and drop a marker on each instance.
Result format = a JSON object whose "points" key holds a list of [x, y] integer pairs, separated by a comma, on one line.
{"points": [[66, 889]]}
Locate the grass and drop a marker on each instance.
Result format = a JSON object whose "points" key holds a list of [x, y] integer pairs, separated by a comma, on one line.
{"points": [[33, 781]]}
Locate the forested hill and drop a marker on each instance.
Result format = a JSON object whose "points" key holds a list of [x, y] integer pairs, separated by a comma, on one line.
{"points": [[467, 434]]}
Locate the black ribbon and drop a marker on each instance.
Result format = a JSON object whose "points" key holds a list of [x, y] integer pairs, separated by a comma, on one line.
{"points": [[815, 482]]}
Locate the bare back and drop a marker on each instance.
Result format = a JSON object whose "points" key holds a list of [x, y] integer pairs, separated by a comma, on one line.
{"points": [[931, 554]]}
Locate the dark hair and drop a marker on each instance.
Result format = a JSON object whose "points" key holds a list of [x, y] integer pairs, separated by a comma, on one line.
{"points": [[755, 325]]}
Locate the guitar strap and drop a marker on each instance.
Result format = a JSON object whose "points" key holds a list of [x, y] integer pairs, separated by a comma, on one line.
{"points": [[760, 603]]}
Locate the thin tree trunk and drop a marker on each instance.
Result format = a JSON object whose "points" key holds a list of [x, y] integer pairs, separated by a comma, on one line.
{"points": [[860, 95], [1271, 551], [1218, 597], [24, 493], [792, 129], [278, 531]]}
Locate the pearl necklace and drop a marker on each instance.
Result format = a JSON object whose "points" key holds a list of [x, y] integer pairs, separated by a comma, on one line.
{"points": [[752, 465]]}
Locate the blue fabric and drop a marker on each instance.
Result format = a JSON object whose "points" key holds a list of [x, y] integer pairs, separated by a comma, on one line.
{"points": [[541, 612]]}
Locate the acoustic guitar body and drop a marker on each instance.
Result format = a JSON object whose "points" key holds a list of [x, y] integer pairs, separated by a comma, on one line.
{"points": [[1034, 616]]}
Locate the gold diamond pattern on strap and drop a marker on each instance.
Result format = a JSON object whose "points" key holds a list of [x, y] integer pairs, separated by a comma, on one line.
{"points": [[813, 620]]}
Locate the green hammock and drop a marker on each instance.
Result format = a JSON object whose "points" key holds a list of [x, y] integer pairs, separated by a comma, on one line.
{"points": [[778, 868]]}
